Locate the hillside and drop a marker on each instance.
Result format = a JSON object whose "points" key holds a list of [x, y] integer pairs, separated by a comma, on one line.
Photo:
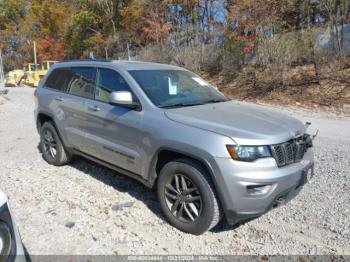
{"points": [[299, 86]]}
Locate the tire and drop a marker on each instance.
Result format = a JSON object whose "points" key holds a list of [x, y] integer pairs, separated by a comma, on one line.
{"points": [[53, 151], [19, 82], [200, 215]]}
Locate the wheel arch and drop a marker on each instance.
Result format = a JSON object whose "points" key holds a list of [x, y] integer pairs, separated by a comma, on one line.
{"points": [[42, 117], [166, 154]]}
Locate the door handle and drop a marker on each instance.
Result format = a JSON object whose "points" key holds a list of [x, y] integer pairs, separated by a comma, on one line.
{"points": [[94, 108], [59, 99]]}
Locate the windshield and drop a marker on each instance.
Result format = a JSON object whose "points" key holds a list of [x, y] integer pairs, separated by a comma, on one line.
{"points": [[34, 67], [176, 88]]}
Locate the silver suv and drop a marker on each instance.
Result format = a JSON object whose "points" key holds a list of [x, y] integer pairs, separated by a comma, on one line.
{"points": [[208, 156]]}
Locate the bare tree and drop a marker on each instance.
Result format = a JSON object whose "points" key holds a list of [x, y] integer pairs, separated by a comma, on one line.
{"points": [[108, 7], [333, 11]]}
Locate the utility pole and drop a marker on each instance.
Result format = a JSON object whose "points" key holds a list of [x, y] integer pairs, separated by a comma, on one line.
{"points": [[2, 76], [127, 46], [106, 50], [35, 59]]}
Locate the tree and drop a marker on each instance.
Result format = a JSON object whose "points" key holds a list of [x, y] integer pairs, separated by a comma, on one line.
{"points": [[145, 22], [45, 23], [332, 9], [50, 48], [11, 11], [12, 40], [80, 33]]}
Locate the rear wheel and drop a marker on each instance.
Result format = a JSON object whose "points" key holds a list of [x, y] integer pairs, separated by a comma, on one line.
{"points": [[51, 146], [187, 196]]}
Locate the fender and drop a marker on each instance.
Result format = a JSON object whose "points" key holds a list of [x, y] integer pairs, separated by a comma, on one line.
{"points": [[62, 137], [43, 112], [152, 174]]}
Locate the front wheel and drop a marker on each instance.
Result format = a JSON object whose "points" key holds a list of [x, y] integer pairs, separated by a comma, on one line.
{"points": [[187, 196]]}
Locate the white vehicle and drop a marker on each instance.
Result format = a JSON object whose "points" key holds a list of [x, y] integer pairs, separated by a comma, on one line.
{"points": [[11, 247]]}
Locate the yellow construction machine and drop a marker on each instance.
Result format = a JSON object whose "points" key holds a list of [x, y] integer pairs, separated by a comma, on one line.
{"points": [[34, 73], [14, 77]]}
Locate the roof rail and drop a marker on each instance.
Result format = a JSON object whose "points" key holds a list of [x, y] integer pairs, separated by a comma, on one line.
{"points": [[87, 60]]}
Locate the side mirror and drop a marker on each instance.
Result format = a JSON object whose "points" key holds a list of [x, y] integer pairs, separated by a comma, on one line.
{"points": [[123, 98]]}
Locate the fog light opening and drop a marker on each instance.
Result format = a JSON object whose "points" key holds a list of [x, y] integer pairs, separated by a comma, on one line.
{"points": [[258, 190], [280, 201]]}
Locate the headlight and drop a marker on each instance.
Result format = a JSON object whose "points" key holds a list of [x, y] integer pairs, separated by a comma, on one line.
{"points": [[5, 240], [248, 153]]}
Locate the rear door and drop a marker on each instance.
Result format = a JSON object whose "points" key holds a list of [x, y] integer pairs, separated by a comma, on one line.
{"points": [[114, 132], [53, 99], [80, 87]]}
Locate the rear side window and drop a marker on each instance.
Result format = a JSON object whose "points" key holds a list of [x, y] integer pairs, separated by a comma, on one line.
{"points": [[108, 81], [81, 82], [58, 79]]}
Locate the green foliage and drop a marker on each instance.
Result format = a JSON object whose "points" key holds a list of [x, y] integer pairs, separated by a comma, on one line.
{"points": [[80, 34], [11, 11]]}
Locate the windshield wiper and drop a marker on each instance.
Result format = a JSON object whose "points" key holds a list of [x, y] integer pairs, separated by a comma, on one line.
{"points": [[216, 101], [194, 104], [180, 105]]}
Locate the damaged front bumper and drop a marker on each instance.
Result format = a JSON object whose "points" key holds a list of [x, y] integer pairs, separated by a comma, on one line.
{"points": [[248, 190]]}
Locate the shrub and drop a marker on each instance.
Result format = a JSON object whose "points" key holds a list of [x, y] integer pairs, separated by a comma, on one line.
{"points": [[212, 56], [188, 57], [156, 53]]}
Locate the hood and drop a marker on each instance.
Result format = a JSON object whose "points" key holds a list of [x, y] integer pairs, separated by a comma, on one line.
{"points": [[246, 124]]}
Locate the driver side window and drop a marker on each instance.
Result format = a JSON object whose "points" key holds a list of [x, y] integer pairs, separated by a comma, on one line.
{"points": [[108, 81]]}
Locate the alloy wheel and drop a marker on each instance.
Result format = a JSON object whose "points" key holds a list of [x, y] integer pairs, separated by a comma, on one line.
{"points": [[183, 198], [50, 144]]}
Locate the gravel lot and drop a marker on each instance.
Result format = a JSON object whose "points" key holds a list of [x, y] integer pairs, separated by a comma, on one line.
{"points": [[84, 208]]}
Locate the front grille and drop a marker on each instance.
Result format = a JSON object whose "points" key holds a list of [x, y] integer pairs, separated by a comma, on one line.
{"points": [[289, 152]]}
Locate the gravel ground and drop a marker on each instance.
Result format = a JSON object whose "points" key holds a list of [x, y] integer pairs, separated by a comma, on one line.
{"points": [[84, 208]]}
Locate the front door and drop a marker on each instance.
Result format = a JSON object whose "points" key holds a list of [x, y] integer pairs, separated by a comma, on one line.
{"points": [[114, 132]]}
